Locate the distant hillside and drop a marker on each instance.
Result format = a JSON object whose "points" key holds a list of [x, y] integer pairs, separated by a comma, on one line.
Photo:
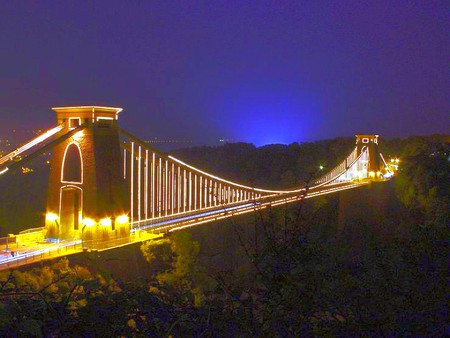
{"points": [[270, 166]]}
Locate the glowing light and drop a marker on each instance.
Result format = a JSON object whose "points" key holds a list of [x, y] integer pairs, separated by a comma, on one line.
{"points": [[321, 167], [105, 222], [4, 171], [51, 217], [26, 170], [397, 160], [78, 136], [89, 222], [371, 174], [122, 219]]}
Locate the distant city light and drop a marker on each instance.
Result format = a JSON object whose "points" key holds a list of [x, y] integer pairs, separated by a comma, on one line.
{"points": [[26, 170], [156, 140]]}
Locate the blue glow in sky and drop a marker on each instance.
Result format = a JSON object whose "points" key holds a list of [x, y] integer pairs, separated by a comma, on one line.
{"points": [[269, 115], [260, 71]]}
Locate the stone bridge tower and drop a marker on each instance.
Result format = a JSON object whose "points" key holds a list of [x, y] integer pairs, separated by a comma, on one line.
{"points": [[372, 165], [87, 197]]}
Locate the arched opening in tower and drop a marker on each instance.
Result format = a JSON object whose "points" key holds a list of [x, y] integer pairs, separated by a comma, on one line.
{"points": [[72, 171], [70, 214]]}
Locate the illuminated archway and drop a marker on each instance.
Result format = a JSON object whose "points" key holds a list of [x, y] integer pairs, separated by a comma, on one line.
{"points": [[72, 164]]}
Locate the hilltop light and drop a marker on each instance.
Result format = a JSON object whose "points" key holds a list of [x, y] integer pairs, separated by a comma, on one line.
{"points": [[122, 219], [105, 222], [89, 222], [51, 217]]}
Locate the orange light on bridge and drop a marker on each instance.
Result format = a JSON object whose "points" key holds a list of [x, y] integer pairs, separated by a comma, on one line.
{"points": [[106, 222], [371, 174], [123, 219], [89, 222], [51, 217]]}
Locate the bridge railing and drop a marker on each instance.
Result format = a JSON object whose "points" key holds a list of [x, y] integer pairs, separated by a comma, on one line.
{"points": [[16, 258], [339, 170]]}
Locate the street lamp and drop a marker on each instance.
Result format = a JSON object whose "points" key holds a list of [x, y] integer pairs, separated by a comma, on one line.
{"points": [[122, 219]]}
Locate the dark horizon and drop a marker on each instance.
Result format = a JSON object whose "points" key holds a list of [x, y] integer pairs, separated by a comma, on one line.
{"points": [[258, 73]]}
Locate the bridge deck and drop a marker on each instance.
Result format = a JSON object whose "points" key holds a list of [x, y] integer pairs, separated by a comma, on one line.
{"points": [[31, 252]]}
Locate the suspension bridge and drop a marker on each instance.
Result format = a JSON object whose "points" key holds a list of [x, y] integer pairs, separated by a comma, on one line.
{"points": [[107, 188]]}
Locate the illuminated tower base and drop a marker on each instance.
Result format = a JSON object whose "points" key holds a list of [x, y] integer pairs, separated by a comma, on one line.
{"points": [[87, 197]]}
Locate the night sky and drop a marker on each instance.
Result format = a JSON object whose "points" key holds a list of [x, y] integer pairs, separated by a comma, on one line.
{"points": [[259, 71]]}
